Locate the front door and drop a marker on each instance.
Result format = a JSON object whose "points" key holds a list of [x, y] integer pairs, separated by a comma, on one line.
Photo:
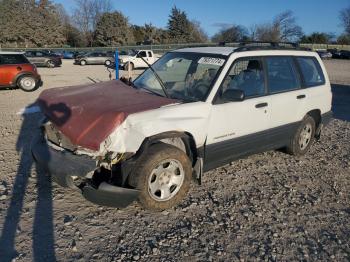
{"points": [[238, 128]]}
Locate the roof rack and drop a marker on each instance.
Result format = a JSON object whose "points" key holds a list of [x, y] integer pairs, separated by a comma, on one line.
{"points": [[256, 45]]}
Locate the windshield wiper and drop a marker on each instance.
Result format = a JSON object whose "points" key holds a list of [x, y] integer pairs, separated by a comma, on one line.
{"points": [[149, 90], [155, 74]]}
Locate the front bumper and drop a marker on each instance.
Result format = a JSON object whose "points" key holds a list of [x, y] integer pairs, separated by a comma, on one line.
{"points": [[63, 165]]}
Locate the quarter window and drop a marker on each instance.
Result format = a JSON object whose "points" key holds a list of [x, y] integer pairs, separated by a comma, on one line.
{"points": [[246, 75], [311, 71], [281, 74]]}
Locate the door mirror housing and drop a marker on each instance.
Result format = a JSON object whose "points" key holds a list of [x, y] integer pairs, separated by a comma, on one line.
{"points": [[232, 95]]}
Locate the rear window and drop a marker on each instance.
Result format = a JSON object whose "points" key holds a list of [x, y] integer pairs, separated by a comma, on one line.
{"points": [[281, 74], [13, 59], [311, 71]]}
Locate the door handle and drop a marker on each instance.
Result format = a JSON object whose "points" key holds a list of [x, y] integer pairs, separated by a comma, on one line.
{"points": [[301, 96], [261, 105]]}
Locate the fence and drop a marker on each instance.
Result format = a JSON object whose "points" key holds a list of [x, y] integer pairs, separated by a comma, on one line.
{"points": [[164, 47]]}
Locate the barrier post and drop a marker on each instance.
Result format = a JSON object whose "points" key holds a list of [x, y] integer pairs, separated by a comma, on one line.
{"points": [[116, 61]]}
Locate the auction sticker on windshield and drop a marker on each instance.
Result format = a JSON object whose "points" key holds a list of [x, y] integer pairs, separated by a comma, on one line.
{"points": [[211, 61]]}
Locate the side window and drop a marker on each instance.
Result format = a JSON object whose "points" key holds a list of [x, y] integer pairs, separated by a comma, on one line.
{"points": [[246, 75], [149, 54], [143, 54], [311, 71], [39, 54], [281, 74]]}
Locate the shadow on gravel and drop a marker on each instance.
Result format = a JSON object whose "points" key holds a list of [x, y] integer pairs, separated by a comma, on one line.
{"points": [[341, 102], [43, 230]]}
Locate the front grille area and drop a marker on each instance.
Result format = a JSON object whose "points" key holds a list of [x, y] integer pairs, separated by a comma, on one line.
{"points": [[57, 138]]}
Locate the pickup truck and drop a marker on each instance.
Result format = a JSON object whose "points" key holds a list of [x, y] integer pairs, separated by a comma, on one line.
{"points": [[133, 59]]}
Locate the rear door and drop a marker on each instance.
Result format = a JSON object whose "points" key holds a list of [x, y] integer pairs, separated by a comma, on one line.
{"points": [[141, 63], [287, 97], [238, 128]]}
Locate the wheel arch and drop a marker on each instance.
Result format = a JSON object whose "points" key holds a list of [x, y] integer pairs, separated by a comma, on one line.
{"points": [[22, 74], [316, 115]]}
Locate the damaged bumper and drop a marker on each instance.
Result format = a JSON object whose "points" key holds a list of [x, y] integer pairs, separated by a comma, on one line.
{"points": [[64, 165]]}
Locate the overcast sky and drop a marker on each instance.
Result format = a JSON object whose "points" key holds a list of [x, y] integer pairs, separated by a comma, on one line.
{"points": [[312, 15]]}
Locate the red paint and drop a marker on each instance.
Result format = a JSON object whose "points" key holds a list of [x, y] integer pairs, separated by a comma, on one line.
{"points": [[87, 114]]}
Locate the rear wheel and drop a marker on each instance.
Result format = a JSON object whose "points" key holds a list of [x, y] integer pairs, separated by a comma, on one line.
{"points": [[50, 64], [303, 137], [27, 83], [108, 62], [163, 177]]}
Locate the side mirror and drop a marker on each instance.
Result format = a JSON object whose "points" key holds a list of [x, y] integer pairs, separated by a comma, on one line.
{"points": [[233, 95]]}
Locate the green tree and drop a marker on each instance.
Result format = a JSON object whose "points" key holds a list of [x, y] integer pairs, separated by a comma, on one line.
{"points": [[113, 29], [344, 39], [235, 33], [316, 38], [179, 26]]}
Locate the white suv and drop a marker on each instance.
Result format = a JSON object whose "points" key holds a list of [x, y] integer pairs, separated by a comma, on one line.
{"points": [[196, 109]]}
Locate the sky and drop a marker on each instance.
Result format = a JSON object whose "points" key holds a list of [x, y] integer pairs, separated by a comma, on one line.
{"points": [[312, 15]]}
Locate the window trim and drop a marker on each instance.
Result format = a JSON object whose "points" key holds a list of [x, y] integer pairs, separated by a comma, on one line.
{"points": [[319, 69], [216, 100]]}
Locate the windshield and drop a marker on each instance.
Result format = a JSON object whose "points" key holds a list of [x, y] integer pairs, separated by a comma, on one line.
{"points": [[186, 76]]}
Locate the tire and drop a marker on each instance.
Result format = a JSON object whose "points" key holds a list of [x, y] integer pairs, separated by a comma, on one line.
{"points": [[127, 66], [27, 83], [82, 62], [163, 177], [108, 62], [50, 64], [303, 138]]}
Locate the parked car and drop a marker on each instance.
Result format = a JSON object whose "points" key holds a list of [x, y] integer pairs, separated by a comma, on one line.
{"points": [[41, 58], [68, 55], [17, 71], [94, 58], [134, 61], [324, 54], [203, 108], [345, 54], [335, 53]]}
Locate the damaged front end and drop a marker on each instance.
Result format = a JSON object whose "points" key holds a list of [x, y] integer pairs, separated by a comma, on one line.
{"points": [[99, 178]]}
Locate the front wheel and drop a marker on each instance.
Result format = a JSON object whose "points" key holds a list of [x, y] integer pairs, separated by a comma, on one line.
{"points": [[82, 62], [163, 177], [27, 83], [50, 64], [303, 137]]}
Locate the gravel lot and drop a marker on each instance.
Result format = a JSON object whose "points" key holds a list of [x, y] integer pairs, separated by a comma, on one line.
{"points": [[269, 206]]}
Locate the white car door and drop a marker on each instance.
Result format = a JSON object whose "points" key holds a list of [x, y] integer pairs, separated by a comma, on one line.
{"points": [[238, 128], [150, 57]]}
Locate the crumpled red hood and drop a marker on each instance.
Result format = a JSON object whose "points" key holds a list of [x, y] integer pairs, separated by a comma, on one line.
{"points": [[87, 114]]}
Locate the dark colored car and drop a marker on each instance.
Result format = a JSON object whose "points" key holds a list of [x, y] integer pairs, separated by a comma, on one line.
{"points": [[345, 54], [17, 71], [324, 54], [42, 58], [335, 53]]}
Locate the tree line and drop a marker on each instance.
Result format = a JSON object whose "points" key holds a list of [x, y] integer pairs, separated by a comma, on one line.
{"points": [[42, 23]]}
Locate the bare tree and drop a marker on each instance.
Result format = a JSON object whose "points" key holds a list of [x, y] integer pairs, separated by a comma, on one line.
{"points": [[285, 23], [282, 28], [345, 19], [87, 14]]}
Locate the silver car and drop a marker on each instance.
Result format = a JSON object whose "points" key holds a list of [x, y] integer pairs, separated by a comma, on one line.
{"points": [[95, 58]]}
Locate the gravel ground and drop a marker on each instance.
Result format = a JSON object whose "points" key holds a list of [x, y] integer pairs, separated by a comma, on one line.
{"points": [[269, 206]]}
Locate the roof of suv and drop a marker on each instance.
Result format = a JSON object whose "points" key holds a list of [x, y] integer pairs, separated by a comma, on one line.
{"points": [[223, 50], [220, 50]]}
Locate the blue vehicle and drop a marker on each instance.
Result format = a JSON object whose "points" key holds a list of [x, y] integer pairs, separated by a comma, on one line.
{"points": [[68, 55]]}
